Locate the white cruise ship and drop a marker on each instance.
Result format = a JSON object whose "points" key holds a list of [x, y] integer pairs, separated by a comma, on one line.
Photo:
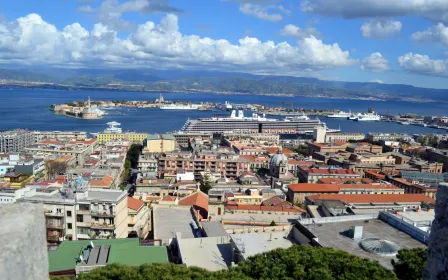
{"points": [[368, 117], [353, 117], [341, 114], [180, 107]]}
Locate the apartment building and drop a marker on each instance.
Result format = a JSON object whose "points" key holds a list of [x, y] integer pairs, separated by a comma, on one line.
{"points": [[16, 140], [313, 174], [299, 192], [344, 137], [59, 135], [11, 195], [159, 143], [139, 218], [229, 165], [127, 136], [85, 214], [376, 137], [80, 149], [147, 163]]}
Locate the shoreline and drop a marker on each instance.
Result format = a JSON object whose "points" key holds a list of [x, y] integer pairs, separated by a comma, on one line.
{"points": [[80, 89]]}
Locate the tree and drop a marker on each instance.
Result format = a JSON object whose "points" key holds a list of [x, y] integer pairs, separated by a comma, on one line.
{"points": [[55, 167], [133, 154], [273, 224], [205, 185], [411, 263], [297, 262], [301, 149]]}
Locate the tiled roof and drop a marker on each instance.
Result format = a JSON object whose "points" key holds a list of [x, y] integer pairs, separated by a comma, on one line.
{"points": [[331, 171], [337, 187], [344, 181], [299, 162], [169, 198], [199, 200], [274, 150], [134, 204], [374, 198], [105, 182]]}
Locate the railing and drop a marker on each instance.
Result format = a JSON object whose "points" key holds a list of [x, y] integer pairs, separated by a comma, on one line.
{"points": [[82, 224], [405, 227], [102, 214], [83, 212], [55, 226], [53, 214], [102, 226], [323, 220]]}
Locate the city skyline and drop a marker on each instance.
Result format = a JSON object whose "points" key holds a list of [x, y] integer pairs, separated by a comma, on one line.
{"points": [[404, 43]]}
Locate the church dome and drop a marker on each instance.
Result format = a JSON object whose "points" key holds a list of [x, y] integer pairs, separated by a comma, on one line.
{"points": [[278, 158]]}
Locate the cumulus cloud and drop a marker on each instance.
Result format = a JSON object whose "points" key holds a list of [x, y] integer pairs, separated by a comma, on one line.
{"points": [[292, 30], [375, 63], [423, 64], [86, 9], [261, 12], [30, 39], [438, 33], [381, 29], [110, 11], [435, 10]]}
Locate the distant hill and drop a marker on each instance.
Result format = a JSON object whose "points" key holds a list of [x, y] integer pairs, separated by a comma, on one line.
{"points": [[216, 81]]}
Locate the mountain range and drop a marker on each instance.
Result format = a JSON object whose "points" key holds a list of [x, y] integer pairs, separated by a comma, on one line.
{"points": [[217, 82]]}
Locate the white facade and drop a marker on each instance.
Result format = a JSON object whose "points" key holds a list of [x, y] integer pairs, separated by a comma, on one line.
{"points": [[186, 176], [11, 195]]}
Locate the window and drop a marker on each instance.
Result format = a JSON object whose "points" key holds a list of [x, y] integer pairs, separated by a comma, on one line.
{"points": [[80, 218], [69, 225], [69, 213]]}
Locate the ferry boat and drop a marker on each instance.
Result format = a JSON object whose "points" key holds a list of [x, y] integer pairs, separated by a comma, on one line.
{"points": [[237, 122], [113, 128], [341, 114], [353, 117], [179, 107], [368, 117], [404, 123]]}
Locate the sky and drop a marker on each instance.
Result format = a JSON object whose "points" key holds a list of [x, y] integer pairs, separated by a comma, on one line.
{"points": [[384, 41]]}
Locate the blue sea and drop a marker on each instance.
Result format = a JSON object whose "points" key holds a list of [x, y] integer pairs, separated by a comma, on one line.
{"points": [[30, 109]]}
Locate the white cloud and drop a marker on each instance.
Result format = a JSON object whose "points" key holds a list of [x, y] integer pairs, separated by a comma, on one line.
{"points": [[32, 40], [423, 64], [438, 33], [381, 29], [86, 9], [284, 10], [435, 10], [261, 12], [378, 81], [110, 11], [295, 31], [375, 63]]}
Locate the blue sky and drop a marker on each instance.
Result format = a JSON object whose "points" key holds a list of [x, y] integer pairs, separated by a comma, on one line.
{"points": [[349, 40]]}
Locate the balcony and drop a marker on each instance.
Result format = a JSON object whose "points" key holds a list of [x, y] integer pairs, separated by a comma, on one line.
{"points": [[102, 226], [54, 238], [53, 214], [105, 214], [81, 224], [83, 212], [55, 226]]}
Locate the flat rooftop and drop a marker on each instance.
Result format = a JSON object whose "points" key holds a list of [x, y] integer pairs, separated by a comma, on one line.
{"points": [[251, 244], [169, 220], [214, 229], [124, 251], [333, 235], [211, 253], [421, 216]]}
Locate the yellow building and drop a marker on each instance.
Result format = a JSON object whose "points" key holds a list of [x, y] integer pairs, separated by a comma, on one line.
{"points": [[128, 136], [248, 199], [160, 143], [18, 180]]}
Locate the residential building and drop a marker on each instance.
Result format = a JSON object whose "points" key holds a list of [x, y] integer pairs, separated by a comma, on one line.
{"points": [[11, 195], [299, 192], [18, 180], [344, 137], [132, 137], [183, 138], [16, 140], [139, 218], [414, 187], [248, 199], [147, 163], [159, 143], [84, 214], [229, 165], [364, 147], [326, 148], [313, 174], [60, 135], [377, 137]]}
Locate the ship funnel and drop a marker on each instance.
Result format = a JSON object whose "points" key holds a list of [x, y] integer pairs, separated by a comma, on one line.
{"points": [[233, 114], [241, 114]]}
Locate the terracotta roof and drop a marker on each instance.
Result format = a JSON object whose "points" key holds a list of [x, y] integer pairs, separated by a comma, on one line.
{"points": [[274, 150], [64, 158], [299, 162], [169, 198], [273, 201], [153, 198], [105, 182], [249, 158], [374, 198], [400, 180], [198, 200], [337, 187], [134, 204], [344, 181], [331, 171]]}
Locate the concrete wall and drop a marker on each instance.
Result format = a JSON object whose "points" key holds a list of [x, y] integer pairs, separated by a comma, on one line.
{"points": [[121, 219], [404, 226], [437, 264], [23, 246]]}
